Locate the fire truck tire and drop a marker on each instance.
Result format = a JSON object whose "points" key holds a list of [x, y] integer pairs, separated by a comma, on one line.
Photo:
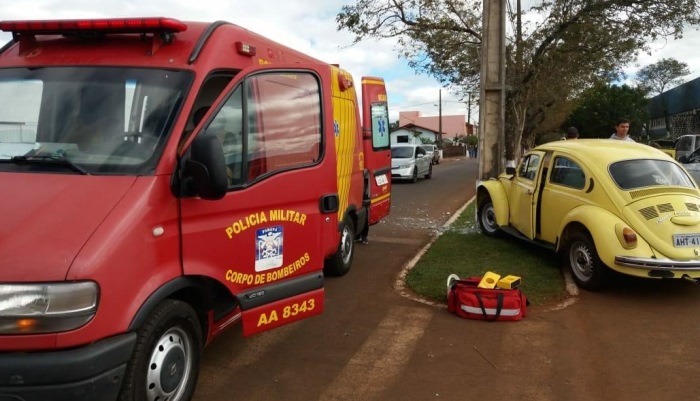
{"points": [[339, 264], [165, 362]]}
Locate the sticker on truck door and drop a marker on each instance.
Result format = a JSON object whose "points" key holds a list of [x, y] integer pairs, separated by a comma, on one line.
{"points": [[269, 251]]}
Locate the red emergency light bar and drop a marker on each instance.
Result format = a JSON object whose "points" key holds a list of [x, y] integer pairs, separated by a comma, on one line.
{"points": [[113, 25]]}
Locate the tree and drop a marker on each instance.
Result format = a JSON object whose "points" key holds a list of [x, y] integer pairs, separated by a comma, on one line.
{"points": [[573, 44], [658, 77], [602, 105]]}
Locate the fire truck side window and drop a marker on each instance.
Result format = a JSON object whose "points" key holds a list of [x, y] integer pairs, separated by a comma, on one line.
{"points": [[228, 126], [283, 113]]}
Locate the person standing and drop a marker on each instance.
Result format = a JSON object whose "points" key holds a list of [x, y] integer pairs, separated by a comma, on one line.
{"points": [[621, 130], [572, 133]]}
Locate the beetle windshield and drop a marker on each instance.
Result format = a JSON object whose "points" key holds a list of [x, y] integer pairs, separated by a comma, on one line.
{"points": [[102, 120], [631, 174]]}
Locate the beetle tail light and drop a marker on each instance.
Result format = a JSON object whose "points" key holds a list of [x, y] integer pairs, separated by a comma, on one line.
{"points": [[630, 237]]}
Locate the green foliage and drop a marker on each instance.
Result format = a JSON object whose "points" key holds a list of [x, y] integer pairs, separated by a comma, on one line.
{"points": [[603, 104], [572, 44], [464, 251], [662, 75]]}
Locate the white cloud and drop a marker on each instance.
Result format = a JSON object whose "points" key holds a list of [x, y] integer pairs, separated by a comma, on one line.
{"points": [[305, 25], [308, 26]]}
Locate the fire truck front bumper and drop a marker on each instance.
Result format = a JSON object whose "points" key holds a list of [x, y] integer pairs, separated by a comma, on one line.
{"points": [[93, 372]]}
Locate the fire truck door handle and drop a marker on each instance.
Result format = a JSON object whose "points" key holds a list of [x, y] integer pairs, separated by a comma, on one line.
{"points": [[329, 203]]}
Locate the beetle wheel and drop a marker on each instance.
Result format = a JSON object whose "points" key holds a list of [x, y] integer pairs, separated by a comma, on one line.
{"points": [[487, 218], [586, 267]]}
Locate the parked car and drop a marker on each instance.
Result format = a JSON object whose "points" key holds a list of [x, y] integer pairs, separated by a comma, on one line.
{"points": [[686, 144], [433, 152], [691, 162], [667, 146], [603, 205], [409, 162]]}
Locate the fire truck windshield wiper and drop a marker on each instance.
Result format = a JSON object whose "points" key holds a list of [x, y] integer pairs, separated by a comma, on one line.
{"points": [[55, 159]]}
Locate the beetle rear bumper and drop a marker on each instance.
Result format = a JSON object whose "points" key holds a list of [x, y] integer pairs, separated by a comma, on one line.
{"points": [[658, 264]]}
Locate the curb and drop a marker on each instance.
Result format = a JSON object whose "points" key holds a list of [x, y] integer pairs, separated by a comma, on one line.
{"points": [[400, 282]]}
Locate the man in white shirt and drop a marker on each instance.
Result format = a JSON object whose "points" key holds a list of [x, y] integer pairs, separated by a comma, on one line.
{"points": [[621, 129]]}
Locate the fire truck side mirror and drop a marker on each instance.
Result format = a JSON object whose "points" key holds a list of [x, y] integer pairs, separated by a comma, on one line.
{"points": [[205, 169]]}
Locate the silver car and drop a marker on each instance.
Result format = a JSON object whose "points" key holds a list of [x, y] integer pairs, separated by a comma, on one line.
{"points": [[433, 152], [410, 161], [691, 162]]}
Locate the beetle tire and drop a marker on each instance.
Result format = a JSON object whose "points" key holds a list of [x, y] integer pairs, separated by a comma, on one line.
{"points": [[339, 264], [487, 219], [166, 357], [583, 261]]}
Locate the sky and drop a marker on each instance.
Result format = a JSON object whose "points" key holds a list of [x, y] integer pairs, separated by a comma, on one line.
{"points": [[309, 26]]}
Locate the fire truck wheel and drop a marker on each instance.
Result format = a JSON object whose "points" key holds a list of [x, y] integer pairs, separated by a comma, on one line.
{"points": [[165, 362], [339, 264]]}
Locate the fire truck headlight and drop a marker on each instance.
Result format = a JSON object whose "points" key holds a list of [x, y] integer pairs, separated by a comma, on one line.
{"points": [[46, 308]]}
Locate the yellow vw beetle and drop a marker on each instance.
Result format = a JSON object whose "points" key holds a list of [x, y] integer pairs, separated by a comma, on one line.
{"points": [[603, 204]]}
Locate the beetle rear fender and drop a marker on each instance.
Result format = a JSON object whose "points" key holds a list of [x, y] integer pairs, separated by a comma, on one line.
{"points": [[600, 224], [494, 190]]}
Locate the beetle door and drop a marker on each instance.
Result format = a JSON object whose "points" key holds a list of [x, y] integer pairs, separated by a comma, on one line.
{"points": [[524, 195]]}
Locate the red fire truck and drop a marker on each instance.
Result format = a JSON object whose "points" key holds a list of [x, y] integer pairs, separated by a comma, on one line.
{"points": [[163, 180]]}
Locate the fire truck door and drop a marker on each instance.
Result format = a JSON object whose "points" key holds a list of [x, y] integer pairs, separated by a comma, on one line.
{"points": [[376, 146], [262, 239]]}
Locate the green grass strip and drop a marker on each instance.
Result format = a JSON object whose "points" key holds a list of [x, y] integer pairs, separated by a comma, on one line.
{"points": [[463, 250]]}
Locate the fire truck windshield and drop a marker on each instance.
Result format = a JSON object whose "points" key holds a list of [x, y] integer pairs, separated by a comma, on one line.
{"points": [[106, 120]]}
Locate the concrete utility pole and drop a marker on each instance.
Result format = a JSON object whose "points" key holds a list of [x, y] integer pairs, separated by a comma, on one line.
{"points": [[440, 119], [493, 95]]}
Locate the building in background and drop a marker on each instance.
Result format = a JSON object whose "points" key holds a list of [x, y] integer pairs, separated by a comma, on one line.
{"points": [[675, 112], [413, 133], [453, 126]]}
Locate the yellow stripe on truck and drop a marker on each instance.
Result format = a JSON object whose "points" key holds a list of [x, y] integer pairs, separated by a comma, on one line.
{"points": [[373, 81], [345, 126]]}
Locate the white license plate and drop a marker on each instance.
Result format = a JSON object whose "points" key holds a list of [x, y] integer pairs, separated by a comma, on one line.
{"points": [[381, 180], [686, 240]]}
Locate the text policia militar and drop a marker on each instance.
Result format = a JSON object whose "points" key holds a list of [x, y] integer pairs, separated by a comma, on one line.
{"points": [[255, 219]]}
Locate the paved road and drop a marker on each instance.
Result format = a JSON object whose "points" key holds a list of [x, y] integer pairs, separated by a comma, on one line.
{"points": [[634, 342]]}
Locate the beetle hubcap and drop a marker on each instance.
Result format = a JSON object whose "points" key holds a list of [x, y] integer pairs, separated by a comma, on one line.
{"points": [[581, 261], [489, 218], [170, 366]]}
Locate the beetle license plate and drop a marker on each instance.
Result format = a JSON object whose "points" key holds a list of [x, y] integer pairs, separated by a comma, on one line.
{"points": [[686, 240]]}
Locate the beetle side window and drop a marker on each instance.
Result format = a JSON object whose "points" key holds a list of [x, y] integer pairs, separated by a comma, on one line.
{"points": [[529, 166], [566, 172]]}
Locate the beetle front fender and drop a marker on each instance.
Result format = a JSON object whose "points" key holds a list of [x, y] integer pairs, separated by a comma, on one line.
{"points": [[494, 189]]}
